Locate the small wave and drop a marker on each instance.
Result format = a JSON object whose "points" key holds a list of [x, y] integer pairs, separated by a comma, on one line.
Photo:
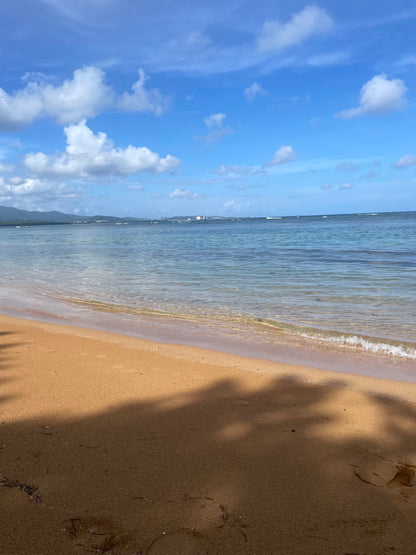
{"points": [[375, 345], [280, 329], [367, 344]]}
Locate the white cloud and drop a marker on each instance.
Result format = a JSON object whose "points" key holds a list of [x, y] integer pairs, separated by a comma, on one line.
{"points": [[142, 100], [254, 90], [89, 155], [215, 122], [84, 96], [183, 193], [405, 161], [326, 186], [283, 155], [379, 96], [35, 77], [276, 36], [18, 187], [19, 109], [238, 170], [345, 186]]}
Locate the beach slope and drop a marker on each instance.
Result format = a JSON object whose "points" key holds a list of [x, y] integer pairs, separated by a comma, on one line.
{"points": [[117, 445]]}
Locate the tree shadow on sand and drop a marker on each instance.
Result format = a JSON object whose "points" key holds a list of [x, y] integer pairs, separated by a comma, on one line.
{"points": [[5, 359], [219, 470], [4, 348]]}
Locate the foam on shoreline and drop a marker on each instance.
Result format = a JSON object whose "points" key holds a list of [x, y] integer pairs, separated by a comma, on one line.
{"points": [[250, 337], [367, 343]]}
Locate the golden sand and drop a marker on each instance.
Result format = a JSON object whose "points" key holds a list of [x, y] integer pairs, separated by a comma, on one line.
{"points": [[116, 445]]}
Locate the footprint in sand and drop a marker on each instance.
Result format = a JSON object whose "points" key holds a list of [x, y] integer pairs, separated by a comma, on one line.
{"points": [[384, 473], [97, 535]]}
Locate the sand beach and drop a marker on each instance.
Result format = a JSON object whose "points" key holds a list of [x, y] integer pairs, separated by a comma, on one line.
{"points": [[112, 444]]}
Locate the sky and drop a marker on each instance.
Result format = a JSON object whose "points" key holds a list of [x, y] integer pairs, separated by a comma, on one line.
{"points": [[160, 108]]}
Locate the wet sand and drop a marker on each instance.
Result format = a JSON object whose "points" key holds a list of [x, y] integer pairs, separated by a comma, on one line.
{"points": [[113, 444]]}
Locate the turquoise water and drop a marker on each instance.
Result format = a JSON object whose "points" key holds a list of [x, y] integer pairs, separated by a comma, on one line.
{"points": [[342, 278]]}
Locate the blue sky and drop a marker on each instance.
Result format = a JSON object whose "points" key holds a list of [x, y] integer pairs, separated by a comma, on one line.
{"points": [[239, 108]]}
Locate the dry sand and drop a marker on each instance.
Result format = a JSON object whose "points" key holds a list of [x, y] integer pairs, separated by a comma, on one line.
{"points": [[115, 445]]}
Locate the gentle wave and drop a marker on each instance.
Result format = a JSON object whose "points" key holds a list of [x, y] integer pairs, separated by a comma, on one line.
{"points": [[329, 338], [375, 345]]}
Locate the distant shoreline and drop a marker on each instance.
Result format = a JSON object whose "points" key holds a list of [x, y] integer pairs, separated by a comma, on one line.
{"points": [[14, 217]]}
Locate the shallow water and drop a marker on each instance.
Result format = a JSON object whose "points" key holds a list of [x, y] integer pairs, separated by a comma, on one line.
{"points": [[336, 280]]}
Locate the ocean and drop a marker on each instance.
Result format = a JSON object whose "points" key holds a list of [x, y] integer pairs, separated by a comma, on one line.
{"points": [[323, 282]]}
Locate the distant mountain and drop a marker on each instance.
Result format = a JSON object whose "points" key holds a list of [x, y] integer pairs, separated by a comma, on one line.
{"points": [[15, 216], [9, 215]]}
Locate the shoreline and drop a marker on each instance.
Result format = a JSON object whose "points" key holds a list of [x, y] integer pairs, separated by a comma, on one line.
{"points": [[121, 445], [255, 340], [208, 355]]}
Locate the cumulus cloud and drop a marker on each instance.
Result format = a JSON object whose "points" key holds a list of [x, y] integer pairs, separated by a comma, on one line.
{"points": [[84, 96], [345, 186], [277, 36], [20, 109], [326, 186], [238, 170], [19, 187], [214, 122], [183, 193], [142, 100], [405, 161], [90, 155], [283, 155], [254, 90], [378, 96]]}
